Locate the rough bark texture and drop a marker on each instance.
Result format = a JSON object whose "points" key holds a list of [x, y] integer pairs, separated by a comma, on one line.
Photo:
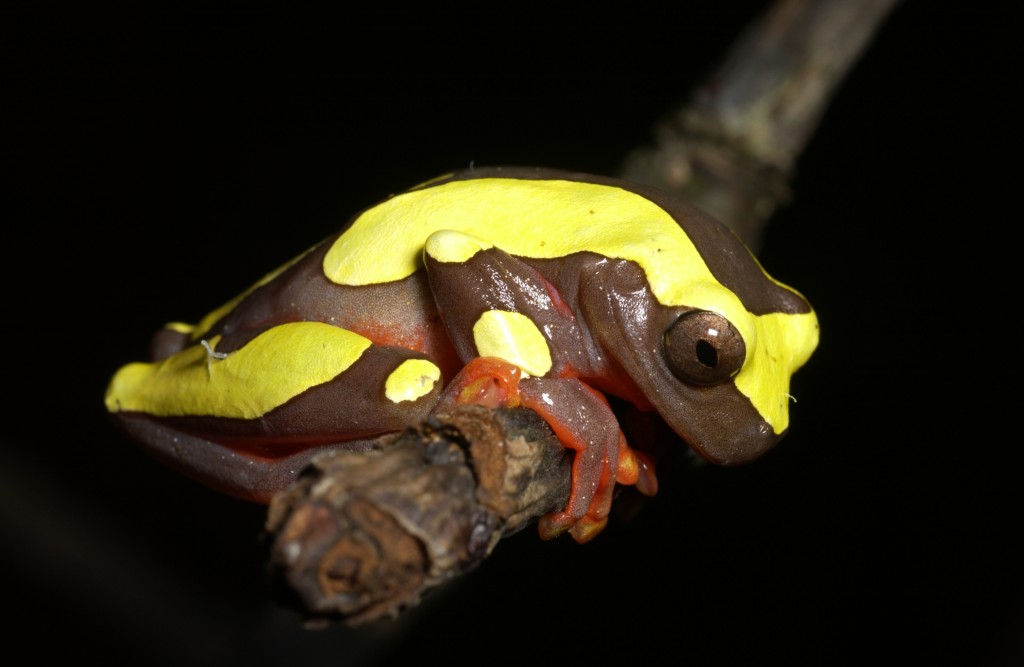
{"points": [[362, 536]]}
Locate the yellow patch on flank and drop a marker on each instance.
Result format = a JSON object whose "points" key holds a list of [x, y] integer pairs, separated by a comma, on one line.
{"points": [[412, 379], [512, 337], [274, 367], [785, 342]]}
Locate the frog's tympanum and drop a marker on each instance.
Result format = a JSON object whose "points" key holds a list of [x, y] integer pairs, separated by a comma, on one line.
{"points": [[500, 286]]}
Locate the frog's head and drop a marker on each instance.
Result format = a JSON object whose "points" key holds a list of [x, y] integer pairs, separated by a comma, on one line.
{"points": [[707, 336]]}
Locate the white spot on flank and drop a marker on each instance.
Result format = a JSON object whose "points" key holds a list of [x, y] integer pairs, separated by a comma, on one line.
{"points": [[546, 399]]}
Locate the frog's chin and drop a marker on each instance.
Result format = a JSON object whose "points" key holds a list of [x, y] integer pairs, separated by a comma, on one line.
{"points": [[718, 423], [750, 446]]}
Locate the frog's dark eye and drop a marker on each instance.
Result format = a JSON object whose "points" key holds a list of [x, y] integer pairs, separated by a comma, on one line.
{"points": [[704, 348]]}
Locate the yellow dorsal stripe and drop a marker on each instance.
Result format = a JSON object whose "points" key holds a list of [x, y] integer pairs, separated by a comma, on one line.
{"points": [[538, 219]]}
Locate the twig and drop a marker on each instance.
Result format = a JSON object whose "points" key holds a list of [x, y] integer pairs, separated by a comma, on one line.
{"points": [[360, 536], [731, 148]]}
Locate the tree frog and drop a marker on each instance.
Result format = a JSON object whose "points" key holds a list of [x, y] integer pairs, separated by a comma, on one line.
{"points": [[504, 286]]}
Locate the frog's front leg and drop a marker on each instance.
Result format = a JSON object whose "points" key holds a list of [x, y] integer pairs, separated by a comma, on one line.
{"points": [[522, 346], [583, 421]]}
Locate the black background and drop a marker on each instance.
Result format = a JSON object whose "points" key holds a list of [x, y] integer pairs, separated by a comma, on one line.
{"points": [[157, 164]]}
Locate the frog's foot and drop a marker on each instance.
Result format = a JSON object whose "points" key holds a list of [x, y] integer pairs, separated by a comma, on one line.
{"points": [[584, 422], [587, 526], [636, 469], [582, 530], [487, 381]]}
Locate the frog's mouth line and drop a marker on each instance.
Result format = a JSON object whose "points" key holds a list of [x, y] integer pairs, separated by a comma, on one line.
{"points": [[719, 423]]}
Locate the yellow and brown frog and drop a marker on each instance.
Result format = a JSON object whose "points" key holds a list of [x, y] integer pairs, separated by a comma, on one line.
{"points": [[505, 286]]}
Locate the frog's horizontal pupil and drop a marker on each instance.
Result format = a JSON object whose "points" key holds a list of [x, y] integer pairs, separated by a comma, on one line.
{"points": [[707, 354]]}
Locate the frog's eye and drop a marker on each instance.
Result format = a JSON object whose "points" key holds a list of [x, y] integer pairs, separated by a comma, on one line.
{"points": [[704, 348]]}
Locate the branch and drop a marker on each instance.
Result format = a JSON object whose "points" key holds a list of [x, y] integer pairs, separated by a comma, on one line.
{"points": [[731, 149], [360, 536]]}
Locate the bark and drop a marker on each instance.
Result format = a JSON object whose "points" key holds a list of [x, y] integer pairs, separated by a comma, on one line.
{"points": [[731, 148], [362, 536]]}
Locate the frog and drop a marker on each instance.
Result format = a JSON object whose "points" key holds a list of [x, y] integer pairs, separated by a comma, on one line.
{"points": [[562, 292]]}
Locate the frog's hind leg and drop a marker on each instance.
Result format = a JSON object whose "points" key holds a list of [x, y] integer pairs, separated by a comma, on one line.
{"points": [[253, 479]]}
